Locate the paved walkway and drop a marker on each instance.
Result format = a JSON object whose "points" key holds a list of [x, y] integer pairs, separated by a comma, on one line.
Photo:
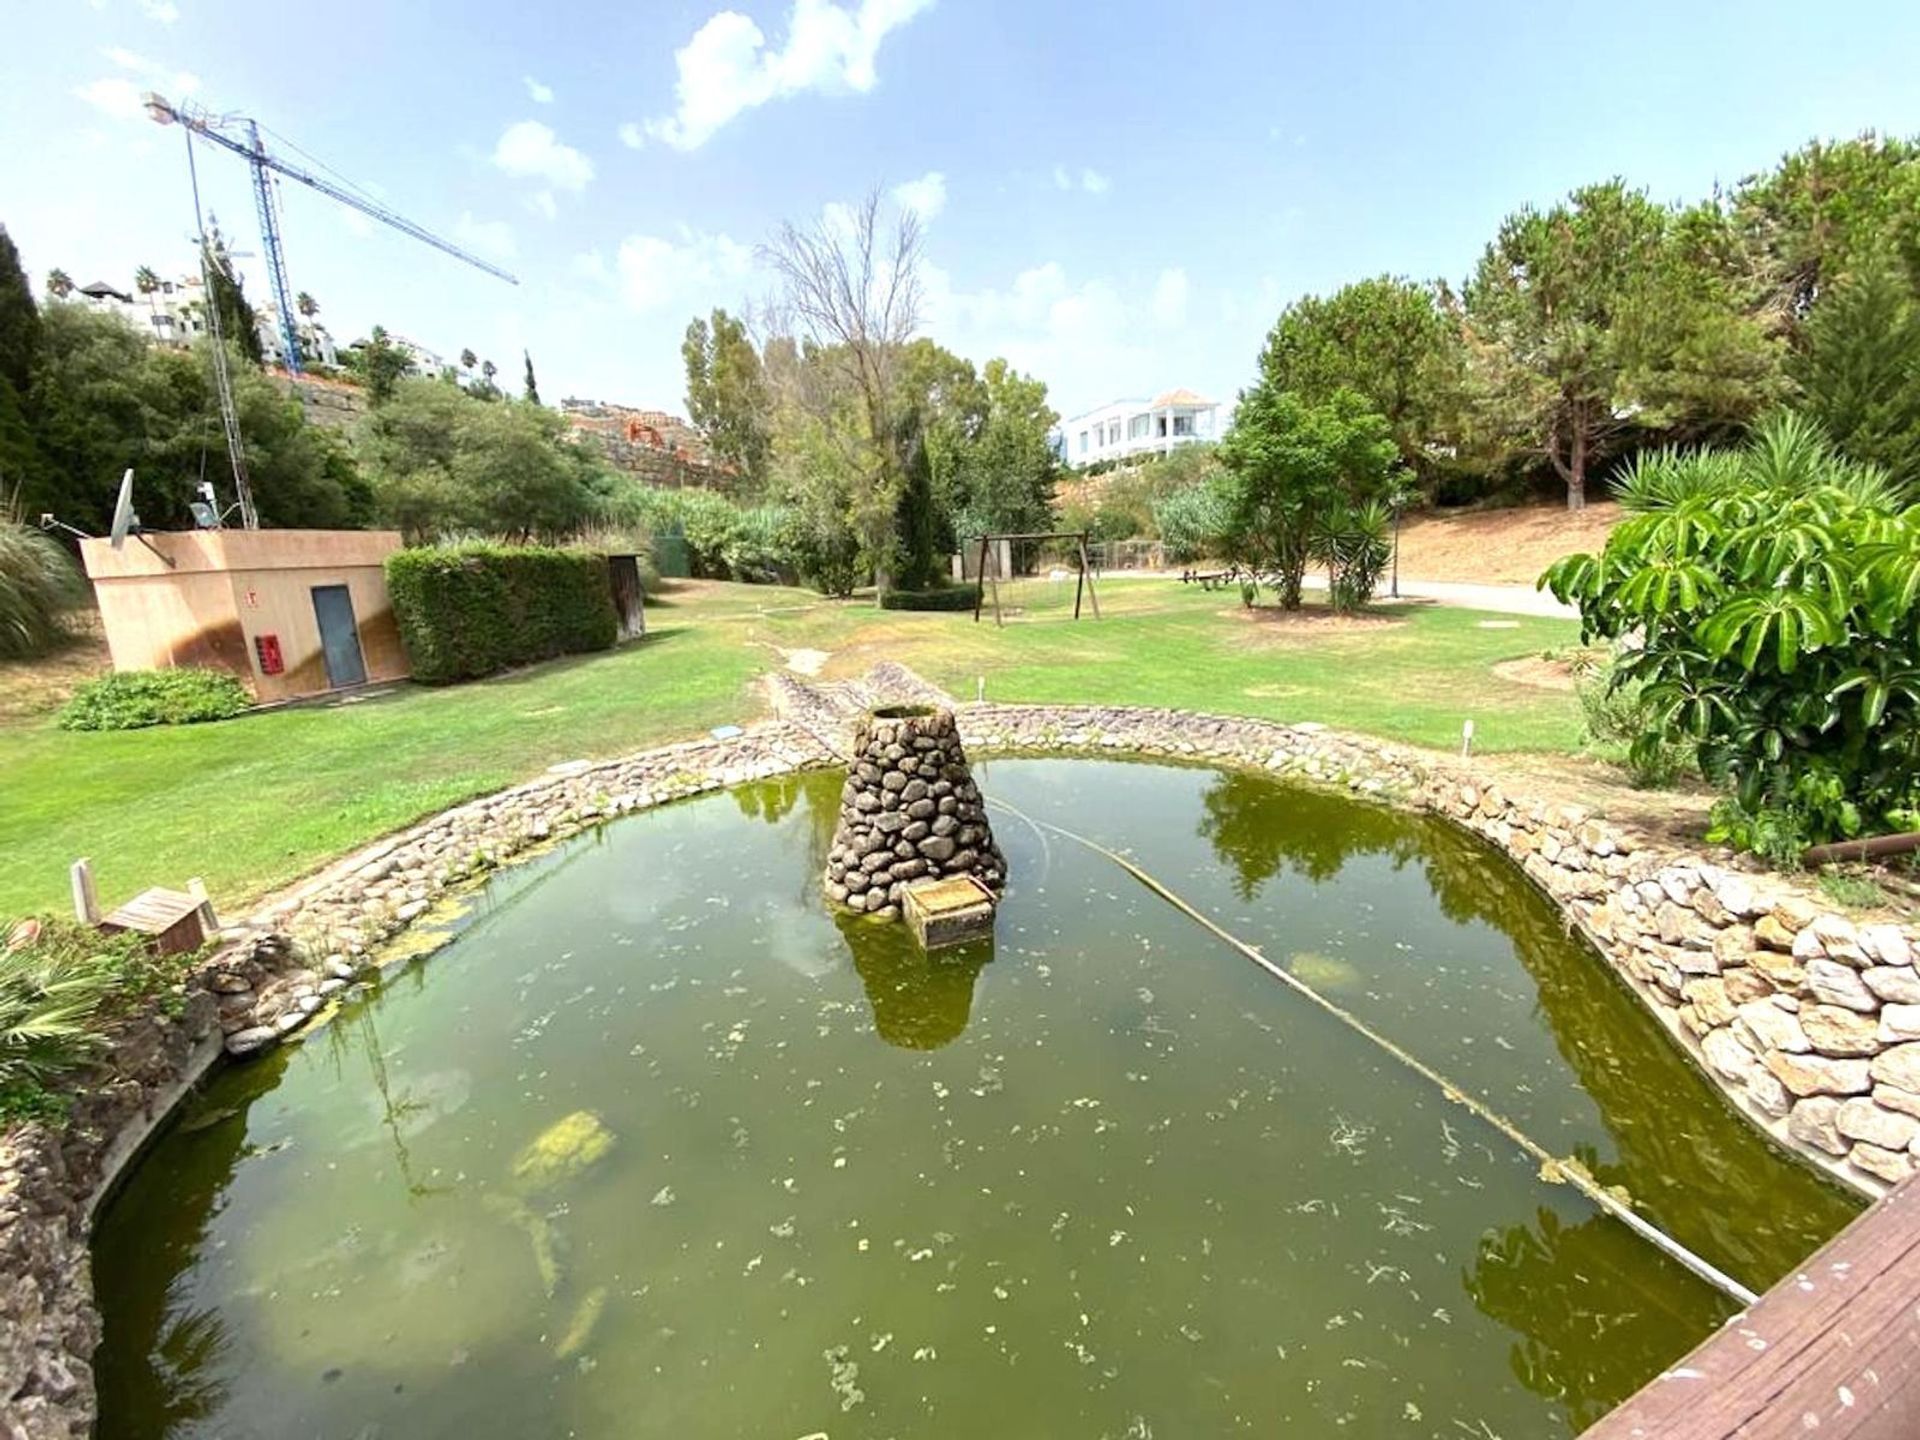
{"points": [[1503, 599], [1507, 599]]}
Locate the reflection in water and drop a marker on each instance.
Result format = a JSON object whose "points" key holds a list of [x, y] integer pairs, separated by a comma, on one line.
{"points": [[1587, 1324], [1258, 828], [773, 800], [1117, 1182], [190, 1356], [1589, 1329], [186, 1379], [920, 1001]]}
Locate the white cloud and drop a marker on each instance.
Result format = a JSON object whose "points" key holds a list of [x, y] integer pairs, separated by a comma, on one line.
{"points": [[532, 151], [632, 136], [1170, 297], [536, 92], [491, 238], [1091, 340], [686, 274], [164, 11], [119, 95], [542, 203], [925, 197], [728, 67], [1089, 180]]}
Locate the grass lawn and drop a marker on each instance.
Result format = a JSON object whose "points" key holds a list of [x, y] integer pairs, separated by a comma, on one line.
{"points": [[253, 803]]}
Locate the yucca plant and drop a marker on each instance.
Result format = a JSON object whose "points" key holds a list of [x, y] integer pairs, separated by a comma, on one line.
{"points": [[38, 585], [1770, 595], [50, 998]]}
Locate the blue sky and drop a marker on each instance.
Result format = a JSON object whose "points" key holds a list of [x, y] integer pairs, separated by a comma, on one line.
{"points": [[1118, 198]]}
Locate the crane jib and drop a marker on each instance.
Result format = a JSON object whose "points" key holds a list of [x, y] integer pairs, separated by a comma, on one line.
{"points": [[266, 204]]}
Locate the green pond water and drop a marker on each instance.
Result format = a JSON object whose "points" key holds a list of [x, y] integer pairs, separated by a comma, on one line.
{"points": [[656, 1147]]}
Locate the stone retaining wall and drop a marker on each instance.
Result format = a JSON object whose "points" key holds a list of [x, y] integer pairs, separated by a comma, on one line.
{"points": [[1809, 1021]]}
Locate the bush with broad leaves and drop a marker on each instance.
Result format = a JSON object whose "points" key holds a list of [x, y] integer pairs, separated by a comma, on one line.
{"points": [[1767, 600]]}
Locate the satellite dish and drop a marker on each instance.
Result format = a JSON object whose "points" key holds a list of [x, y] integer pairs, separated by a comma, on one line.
{"points": [[125, 522]]}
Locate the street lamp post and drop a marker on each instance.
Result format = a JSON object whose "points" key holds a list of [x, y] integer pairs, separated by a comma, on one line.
{"points": [[1396, 547]]}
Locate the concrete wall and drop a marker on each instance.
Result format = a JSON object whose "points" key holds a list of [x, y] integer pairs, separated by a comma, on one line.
{"points": [[227, 587]]}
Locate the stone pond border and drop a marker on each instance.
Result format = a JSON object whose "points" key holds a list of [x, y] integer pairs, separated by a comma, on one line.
{"points": [[1808, 1021]]}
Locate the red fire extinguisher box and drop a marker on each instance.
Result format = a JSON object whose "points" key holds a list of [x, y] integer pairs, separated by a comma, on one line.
{"points": [[267, 648]]}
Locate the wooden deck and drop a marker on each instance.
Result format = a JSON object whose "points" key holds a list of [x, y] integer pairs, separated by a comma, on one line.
{"points": [[1831, 1352]]}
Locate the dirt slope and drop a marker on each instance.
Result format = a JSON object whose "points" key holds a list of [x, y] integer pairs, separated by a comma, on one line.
{"points": [[1500, 547]]}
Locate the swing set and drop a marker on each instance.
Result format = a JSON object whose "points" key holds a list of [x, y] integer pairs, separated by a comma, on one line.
{"points": [[997, 553]]}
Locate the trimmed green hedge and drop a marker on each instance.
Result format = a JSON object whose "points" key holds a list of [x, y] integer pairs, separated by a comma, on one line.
{"points": [[136, 699], [941, 597], [475, 609]]}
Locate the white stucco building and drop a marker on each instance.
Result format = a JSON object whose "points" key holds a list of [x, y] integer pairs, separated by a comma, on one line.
{"points": [[171, 313], [1137, 427], [316, 342]]}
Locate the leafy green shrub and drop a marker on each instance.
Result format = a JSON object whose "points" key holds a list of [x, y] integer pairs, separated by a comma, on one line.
{"points": [[476, 609], [724, 541], [135, 699], [1192, 523], [1774, 590], [38, 584], [939, 597], [1616, 714]]}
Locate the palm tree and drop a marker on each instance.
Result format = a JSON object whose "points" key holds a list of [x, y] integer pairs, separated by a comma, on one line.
{"points": [[148, 283], [468, 359], [59, 284], [489, 370], [306, 305]]}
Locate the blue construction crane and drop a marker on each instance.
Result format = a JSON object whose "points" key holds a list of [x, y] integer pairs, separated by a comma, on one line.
{"points": [[242, 136]]}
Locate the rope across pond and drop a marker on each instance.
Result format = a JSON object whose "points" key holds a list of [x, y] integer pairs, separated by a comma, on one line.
{"points": [[1554, 1169]]}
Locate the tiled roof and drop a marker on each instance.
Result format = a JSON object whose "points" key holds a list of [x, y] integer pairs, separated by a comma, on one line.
{"points": [[1178, 397]]}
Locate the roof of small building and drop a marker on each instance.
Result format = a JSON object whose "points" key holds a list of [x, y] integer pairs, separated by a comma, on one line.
{"points": [[1179, 397], [100, 290]]}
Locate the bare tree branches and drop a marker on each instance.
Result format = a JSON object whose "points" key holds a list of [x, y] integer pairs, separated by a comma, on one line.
{"points": [[850, 294]]}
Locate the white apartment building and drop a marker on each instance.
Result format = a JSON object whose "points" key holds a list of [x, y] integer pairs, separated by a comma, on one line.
{"points": [[172, 314], [1137, 427], [316, 341], [425, 363]]}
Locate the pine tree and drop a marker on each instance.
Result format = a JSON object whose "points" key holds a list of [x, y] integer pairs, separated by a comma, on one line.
{"points": [[533, 388], [1859, 374]]}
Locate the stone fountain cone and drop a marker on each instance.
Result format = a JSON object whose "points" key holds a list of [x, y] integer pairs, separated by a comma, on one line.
{"points": [[910, 812]]}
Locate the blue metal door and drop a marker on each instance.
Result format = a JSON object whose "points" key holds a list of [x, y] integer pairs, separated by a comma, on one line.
{"points": [[339, 636]]}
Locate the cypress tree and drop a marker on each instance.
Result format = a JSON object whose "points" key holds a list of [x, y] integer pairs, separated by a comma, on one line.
{"points": [[1859, 373], [19, 319], [238, 324], [533, 388], [20, 339]]}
